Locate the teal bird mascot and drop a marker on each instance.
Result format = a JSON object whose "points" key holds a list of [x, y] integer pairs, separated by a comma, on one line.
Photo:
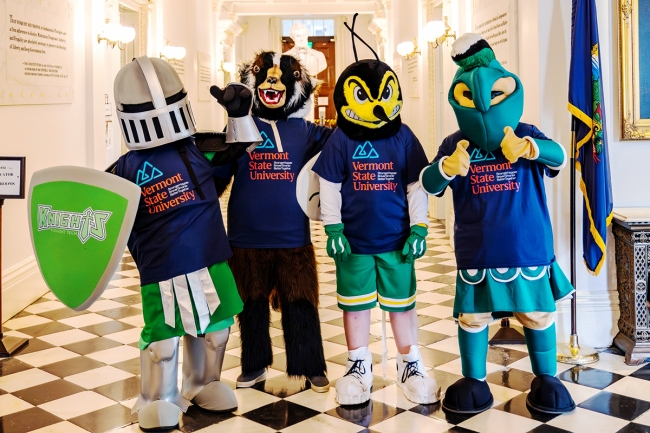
{"points": [[495, 166]]}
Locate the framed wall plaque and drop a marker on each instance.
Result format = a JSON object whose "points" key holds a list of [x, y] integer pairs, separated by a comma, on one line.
{"points": [[634, 40], [12, 177]]}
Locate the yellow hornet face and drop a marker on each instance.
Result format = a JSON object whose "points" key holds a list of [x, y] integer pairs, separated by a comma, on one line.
{"points": [[363, 110]]}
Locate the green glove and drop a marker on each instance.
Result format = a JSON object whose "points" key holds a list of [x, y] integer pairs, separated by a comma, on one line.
{"points": [[338, 247], [416, 244]]}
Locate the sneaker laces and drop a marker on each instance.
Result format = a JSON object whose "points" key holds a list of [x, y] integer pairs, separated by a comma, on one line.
{"points": [[357, 368], [411, 370]]}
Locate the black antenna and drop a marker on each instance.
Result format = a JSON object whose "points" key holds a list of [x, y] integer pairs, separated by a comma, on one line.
{"points": [[354, 47]]}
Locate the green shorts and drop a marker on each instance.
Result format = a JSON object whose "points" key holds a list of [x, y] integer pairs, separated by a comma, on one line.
{"points": [[364, 279], [155, 328]]}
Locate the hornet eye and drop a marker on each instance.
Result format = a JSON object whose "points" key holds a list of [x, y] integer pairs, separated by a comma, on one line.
{"points": [[388, 92], [360, 95]]}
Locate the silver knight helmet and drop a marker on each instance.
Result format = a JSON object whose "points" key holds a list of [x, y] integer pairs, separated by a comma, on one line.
{"points": [[152, 106]]}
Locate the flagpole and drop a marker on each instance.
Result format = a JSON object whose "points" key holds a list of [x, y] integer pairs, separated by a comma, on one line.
{"points": [[573, 353]]}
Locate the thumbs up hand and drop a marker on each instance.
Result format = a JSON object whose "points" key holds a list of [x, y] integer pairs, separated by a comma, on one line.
{"points": [[458, 162], [514, 147]]}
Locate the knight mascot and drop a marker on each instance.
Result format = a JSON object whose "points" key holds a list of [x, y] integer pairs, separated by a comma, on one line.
{"points": [[273, 258], [175, 235], [495, 166]]}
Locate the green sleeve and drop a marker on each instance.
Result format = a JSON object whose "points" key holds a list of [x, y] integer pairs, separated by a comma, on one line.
{"points": [[551, 154], [432, 179]]}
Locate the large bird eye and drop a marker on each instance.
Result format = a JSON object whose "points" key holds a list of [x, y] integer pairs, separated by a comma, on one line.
{"points": [[360, 95], [387, 93], [256, 69], [463, 95], [502, 88], [296, 74]]}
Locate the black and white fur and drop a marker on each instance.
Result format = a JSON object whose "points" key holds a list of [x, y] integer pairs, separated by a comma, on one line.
{"points": [[299, 89]]}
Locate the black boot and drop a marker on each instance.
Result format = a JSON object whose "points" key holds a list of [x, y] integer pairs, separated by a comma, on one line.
{"points": [[256, 353], [548, 395], [468, 396], [303, 343]]}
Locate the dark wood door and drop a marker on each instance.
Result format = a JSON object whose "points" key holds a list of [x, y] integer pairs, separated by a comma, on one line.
{"points": [[324, 44]]}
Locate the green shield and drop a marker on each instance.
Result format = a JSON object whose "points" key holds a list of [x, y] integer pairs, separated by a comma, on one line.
{"points": [[80, 221]]}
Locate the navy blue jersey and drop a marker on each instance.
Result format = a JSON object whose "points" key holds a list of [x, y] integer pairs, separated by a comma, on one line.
{"points": [[373, 177], [175, 231], [263, 211], [502, 220]]}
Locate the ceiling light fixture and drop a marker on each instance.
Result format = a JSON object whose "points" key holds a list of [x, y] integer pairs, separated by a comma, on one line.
{"points": [[116, 35]]}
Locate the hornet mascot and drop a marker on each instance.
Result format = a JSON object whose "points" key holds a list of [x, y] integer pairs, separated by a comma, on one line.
{"points": [[375, 218], [273, 257], [495, 166]]}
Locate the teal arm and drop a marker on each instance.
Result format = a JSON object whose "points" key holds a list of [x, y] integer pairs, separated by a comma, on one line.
{"points": [[550, 153], [432, 178]]}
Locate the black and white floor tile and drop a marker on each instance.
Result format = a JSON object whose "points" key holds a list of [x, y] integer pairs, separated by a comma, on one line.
{"points": [[80, 371]]}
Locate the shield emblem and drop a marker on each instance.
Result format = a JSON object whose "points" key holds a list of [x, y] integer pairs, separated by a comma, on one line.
{"points": [[80, 221], [308, 190]]}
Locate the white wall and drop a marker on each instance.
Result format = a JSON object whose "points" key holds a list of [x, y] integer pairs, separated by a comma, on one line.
{"points": [[73, 134], [191, 24], [46, 135]]}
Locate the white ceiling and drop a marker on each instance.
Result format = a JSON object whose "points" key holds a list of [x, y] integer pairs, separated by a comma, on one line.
{"points": [[299, 7]]}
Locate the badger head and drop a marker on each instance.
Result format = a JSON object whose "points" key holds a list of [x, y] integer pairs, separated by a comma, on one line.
{"points": [[282, 86]]}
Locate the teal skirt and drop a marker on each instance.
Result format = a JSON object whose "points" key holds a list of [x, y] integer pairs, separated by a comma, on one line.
{"points": [[520, 290]]}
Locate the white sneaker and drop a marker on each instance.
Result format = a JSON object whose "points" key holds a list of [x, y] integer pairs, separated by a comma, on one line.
{"points": [[354, 387], [414, 380]]}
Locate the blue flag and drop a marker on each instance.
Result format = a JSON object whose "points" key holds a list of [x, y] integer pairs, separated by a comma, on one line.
{"points": [[587, 106]]}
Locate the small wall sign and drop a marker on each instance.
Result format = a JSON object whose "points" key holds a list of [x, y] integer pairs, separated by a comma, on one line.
{"points": [[12, 177]]}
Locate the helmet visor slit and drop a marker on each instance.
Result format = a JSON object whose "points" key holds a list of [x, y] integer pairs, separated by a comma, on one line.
{"points": [[145, 130], [172, 116], [183, 117], [189, 110], [134, 131], [126, 131], [157, 127]]}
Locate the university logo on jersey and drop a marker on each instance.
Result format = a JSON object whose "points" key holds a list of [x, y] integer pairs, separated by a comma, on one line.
{"points": [[87, 224], [80, 221], [147, 173], [479, 156], [365, 151], [266, 142]]}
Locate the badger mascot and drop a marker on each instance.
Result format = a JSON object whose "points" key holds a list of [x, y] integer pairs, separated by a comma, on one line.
{"points": [[273, 257], [375, 218], [178, 240], [495, 166]]}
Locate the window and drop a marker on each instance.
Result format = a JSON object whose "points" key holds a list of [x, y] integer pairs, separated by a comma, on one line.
{"points": [[314, 27]]}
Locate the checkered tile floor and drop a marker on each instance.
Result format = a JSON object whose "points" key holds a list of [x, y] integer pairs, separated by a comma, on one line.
{"points": [[80, 371]]}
